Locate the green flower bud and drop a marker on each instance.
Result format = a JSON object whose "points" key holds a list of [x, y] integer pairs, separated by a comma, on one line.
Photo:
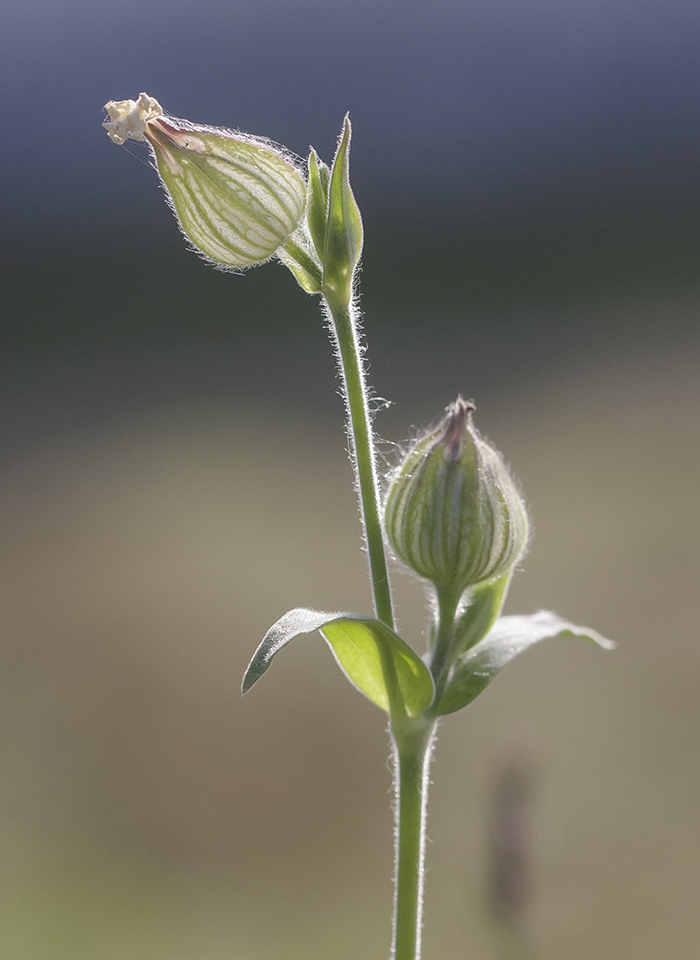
{"points": [[237, 198], [453, 513]]}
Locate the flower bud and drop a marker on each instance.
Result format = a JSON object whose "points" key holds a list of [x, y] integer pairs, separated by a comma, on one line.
{"points": [[237, 198], [453, 513]]}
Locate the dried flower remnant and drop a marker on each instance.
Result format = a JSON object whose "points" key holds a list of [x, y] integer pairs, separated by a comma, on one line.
{"points": [[128, 118]]}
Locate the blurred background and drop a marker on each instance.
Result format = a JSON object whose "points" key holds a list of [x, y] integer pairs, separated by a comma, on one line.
{"points": [[174, 478]]}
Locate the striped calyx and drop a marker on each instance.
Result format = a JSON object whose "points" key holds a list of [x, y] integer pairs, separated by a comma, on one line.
{"points": [[237, 198], [453, 513]]}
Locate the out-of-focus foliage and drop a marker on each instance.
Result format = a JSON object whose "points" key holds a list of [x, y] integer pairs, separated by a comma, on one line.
{"points": [[140, 812]]}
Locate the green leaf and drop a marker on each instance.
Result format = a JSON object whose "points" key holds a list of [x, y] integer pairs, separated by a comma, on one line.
{"points": [[306, 271], [509, 636], [317, 202], [324, 173], [366, 651], [485, 603], [344, 226]]}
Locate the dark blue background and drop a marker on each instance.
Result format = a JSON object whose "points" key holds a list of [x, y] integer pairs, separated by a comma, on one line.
{"points": [[527, 171], [467, 103]]}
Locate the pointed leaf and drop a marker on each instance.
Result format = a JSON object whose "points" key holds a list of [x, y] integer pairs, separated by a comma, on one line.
{"points": [[344, 229], [375, 660], [317, 202], [324, 173], [508, 637], [306, 272], [485, 603]]}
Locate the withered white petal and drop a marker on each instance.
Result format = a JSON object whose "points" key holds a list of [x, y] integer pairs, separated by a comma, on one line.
{"points": [[128, 118]]}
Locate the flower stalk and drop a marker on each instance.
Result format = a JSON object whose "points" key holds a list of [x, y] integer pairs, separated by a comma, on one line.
{"points": [[411, 741], [412, 747], [344, 330]]}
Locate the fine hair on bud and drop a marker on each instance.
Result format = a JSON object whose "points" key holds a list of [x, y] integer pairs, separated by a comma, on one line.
{"points": [[453, 513]]}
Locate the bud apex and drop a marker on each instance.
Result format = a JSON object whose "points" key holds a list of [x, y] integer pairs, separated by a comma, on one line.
{"points": [[237, 198], [453, 513]]}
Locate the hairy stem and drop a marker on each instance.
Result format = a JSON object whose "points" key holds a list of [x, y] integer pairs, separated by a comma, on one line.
{"points": [[344, 327], [412, 750], [447, 602], [412, 739]]}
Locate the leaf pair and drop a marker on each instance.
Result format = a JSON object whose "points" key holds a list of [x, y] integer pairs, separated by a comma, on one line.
{"points": [[389, 673], [326, 261]]}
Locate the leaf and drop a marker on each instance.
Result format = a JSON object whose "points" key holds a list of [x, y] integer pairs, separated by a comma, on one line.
{"points": [[306, 272], [366, 650], [508, 637], [485, 603], [344, 226], [317, 202]]}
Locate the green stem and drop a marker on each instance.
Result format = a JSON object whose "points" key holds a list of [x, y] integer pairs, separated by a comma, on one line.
{"points": [[412, 751], [344, 327], [447, 602], [412, 740]]}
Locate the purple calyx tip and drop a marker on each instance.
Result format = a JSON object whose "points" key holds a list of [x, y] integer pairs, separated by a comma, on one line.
{"points": [[455, 423]]}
